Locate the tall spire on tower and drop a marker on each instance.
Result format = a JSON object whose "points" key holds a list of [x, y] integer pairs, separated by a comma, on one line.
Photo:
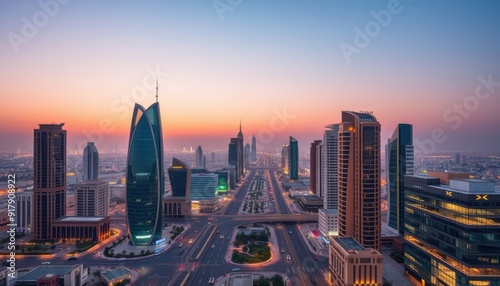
{"points": [[156, 88], [240, 134]]}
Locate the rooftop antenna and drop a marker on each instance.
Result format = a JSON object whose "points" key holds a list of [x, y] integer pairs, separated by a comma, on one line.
{"points": [[156, 88]]}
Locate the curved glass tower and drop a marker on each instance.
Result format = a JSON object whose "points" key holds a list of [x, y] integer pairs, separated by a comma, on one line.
{"points": [[145, 176]]}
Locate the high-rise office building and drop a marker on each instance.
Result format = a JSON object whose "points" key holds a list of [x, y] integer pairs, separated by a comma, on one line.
{"points": [[285, 158], [293, 161], [24, 213], [330, 167], [452, 232], [90, 162], [92, 198], [49, 191], [179, 204], [457, 158], [236, 155], [145, 182], [359, 178], [254, 149], [313, 160], [319, 169], [399, 162], [199, 157]]}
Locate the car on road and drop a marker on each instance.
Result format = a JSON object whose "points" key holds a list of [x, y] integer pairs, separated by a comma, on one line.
{"points": [[290, 231], [221, 236], [190, 241], [213, 246], [46, 262], [288, 257], [211, 280], [72, 258], [180, 244], [282, 250], [235, 269]]}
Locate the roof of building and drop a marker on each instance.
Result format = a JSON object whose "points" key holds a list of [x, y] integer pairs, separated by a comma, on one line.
{"points": [[115, 273], [43, 270], [348, 243], [81, 218], [311, 198]]}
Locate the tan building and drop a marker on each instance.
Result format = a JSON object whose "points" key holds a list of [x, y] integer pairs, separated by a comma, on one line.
{"points": [[92, 198], [176, 207], [351, 264], [86, 228], [359, 178]]}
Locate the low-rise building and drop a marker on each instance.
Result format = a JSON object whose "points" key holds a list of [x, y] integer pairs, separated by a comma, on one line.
{"points": [[87, 228], [328, 220], [351, 264], [68, 275]]}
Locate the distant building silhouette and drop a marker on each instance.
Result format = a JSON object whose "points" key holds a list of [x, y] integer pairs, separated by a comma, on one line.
{"points": [[293, 160], [199, 157], [313, 161], [359, 178], [145, 182], [49, 192], [90, 162], [254, 149], [285, 158], [246, 155], [399, 162], [236, 155]]}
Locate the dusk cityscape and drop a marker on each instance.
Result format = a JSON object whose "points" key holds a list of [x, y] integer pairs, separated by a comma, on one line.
{"points": [[259, 143]]}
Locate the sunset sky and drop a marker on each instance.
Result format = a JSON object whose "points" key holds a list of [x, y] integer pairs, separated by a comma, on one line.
{"points": [[84, 63]]}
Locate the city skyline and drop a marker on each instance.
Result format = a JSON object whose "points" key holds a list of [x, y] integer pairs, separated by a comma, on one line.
{"points": [[253, 62]]}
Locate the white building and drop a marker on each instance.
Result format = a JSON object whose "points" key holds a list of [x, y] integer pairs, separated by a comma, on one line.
{"points": [[92, 198], [330, 167], [328, 222]]}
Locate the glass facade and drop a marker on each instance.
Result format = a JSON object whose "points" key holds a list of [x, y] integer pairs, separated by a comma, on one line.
{"points": [[145, 177], [294, 159], [399, 162], [452, 237], [179, 175]]}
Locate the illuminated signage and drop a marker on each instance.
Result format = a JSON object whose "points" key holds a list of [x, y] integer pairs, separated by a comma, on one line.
{"points": [[448, 193], [481, 197]]}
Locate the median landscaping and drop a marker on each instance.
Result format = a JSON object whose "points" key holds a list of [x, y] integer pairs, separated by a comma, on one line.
{"points": [[251, 245]]}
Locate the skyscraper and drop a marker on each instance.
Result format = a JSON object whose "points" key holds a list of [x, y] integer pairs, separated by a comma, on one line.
{"points": [[145, 177], [254, 149], [359, 178], [235, 155], [90, 162], [49, 191], [199, 157], [452, 232], [319, 170], [313, 160], [285, 158], [293, 161], [399, 162], [330, 166], [24, 211]]}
